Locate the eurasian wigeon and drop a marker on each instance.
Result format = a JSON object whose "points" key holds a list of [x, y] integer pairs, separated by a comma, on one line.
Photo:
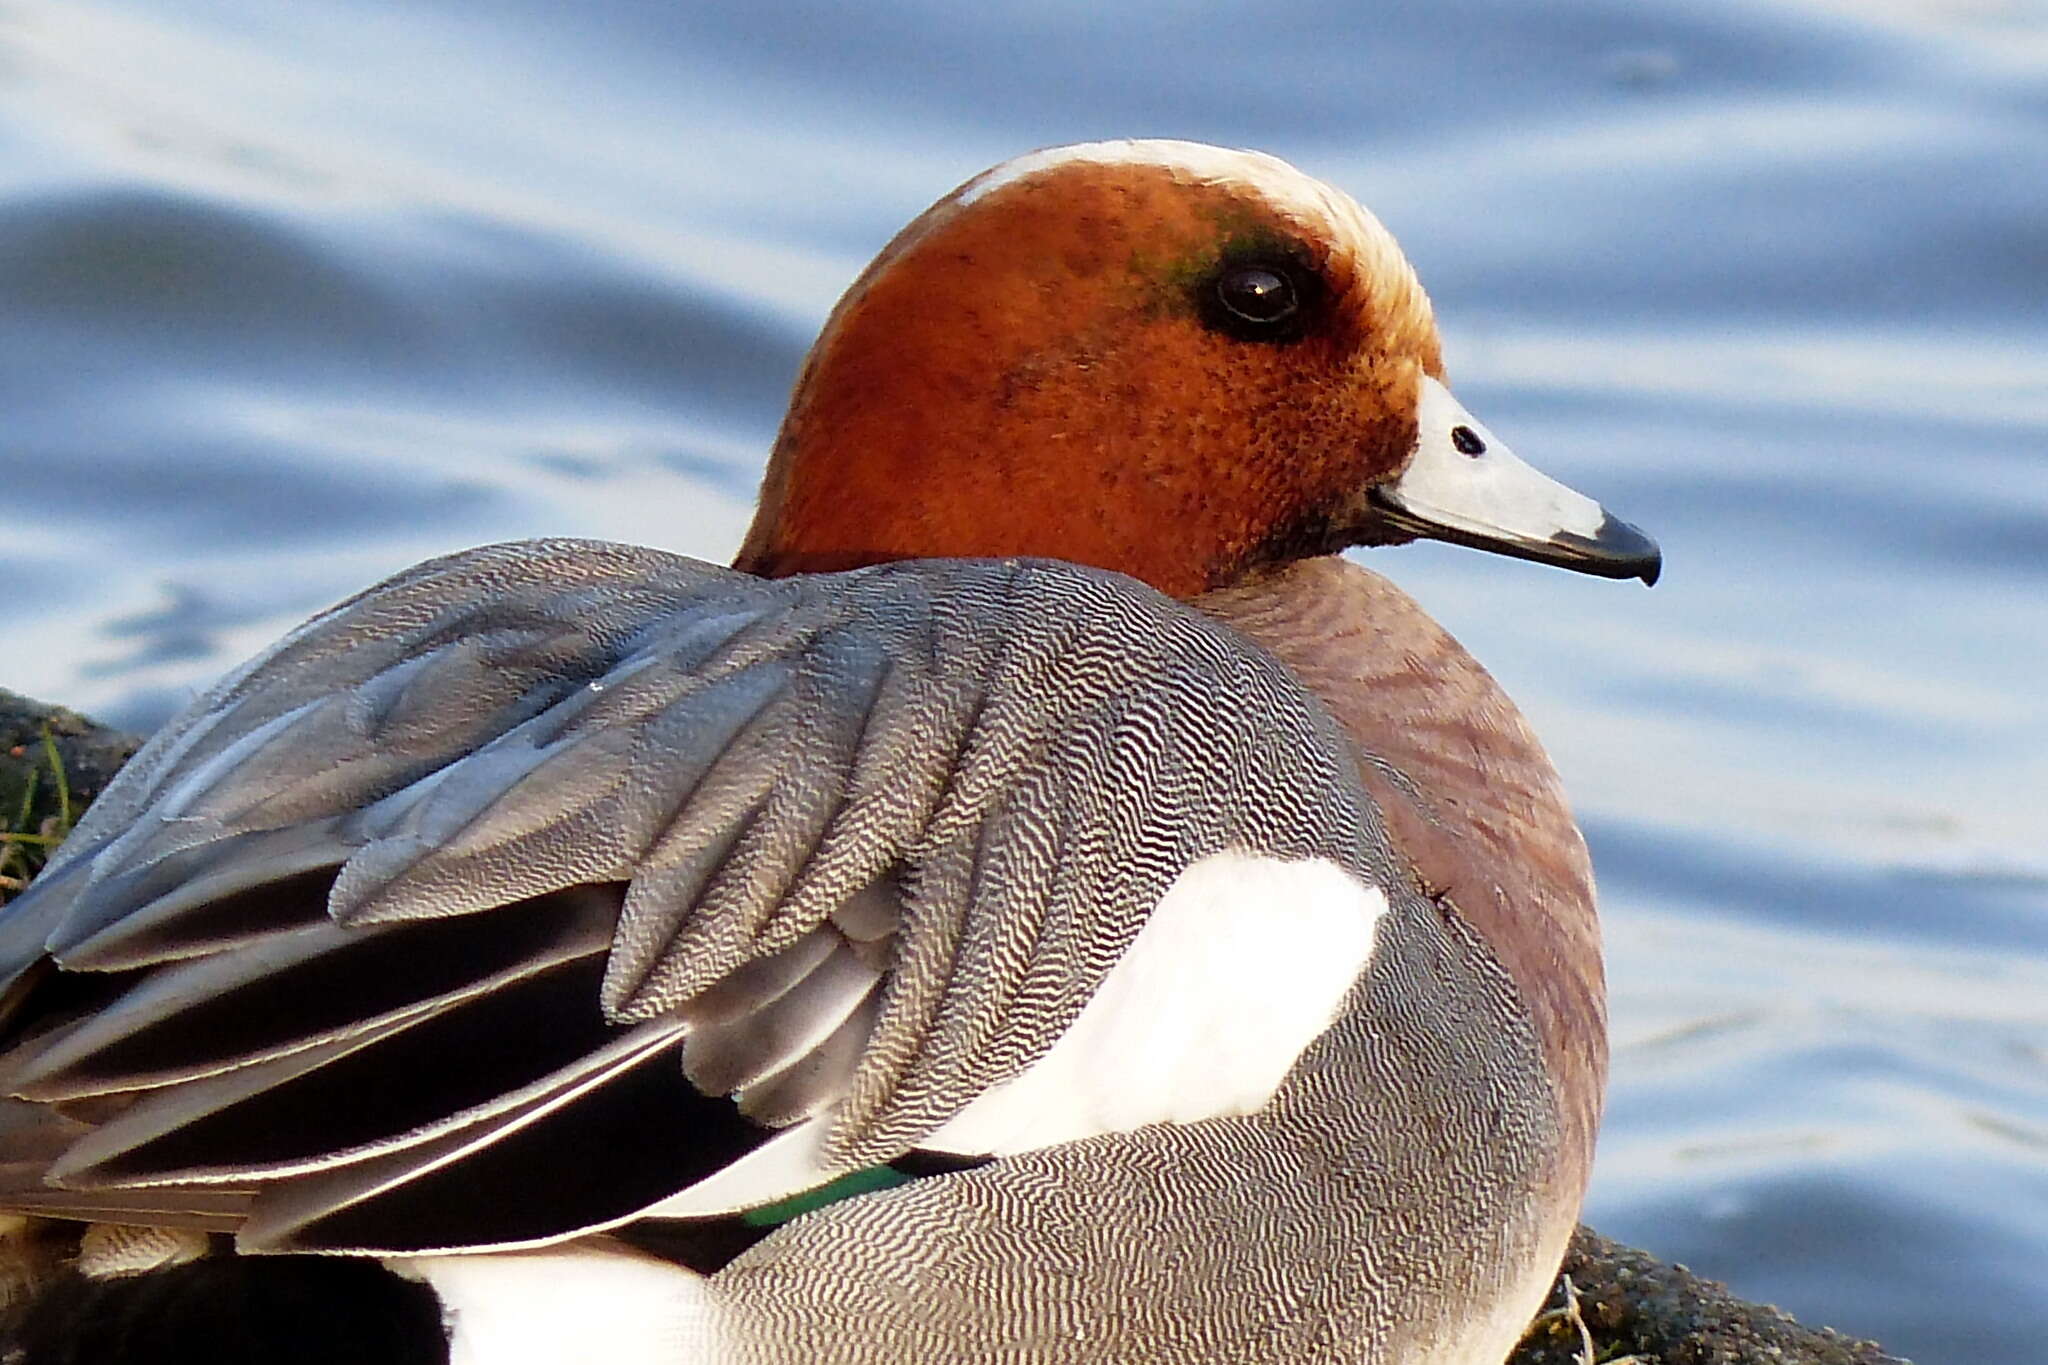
{"points": [[1039, 904]]}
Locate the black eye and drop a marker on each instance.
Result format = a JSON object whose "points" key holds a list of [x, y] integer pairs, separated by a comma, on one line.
{"points": [[1258, 295], [1270, 297], [1467, 441]]}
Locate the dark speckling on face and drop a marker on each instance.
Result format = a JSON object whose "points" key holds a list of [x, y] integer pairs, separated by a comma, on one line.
{"points": [[1055, 355]]}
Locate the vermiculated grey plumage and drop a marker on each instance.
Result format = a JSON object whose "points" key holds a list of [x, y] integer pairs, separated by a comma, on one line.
{"points": [[862, 843], [990, 771]]}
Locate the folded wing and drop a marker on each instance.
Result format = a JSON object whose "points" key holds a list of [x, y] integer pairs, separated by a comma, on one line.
{"points": [[546, 881]]}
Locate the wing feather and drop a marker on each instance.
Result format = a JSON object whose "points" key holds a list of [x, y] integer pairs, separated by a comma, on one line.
{"points": [[197, 1017], [844, 851]]}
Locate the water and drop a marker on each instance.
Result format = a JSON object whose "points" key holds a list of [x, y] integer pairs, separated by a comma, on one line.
{"points": [[291, 296]]}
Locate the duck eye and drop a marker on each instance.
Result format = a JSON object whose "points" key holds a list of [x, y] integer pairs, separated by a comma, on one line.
{"points": [[1258, 295], [1271, 298], [1467, 441]]}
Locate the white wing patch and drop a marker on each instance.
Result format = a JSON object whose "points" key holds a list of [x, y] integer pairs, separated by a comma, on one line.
{"points": [[572, 1303], [1245, 962]]}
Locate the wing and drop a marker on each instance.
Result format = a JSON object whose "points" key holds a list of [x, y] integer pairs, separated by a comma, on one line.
{"points": [[544, 882]]}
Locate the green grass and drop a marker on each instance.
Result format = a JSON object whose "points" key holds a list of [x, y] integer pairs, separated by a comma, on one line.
{"points": [[29, 831]]}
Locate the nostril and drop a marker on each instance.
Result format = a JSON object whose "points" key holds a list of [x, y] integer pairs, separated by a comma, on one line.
{"points": [[1467, 441]]}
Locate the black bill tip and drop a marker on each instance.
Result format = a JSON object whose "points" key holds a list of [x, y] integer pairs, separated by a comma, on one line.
{"points": [[1616, 550]]}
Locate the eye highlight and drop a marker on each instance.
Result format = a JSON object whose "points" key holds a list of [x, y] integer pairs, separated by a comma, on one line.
{"points": [[1268, 297], [1257, 295]]}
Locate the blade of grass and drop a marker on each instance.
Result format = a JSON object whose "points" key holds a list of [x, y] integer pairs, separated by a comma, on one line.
{"points": [[63, 781], [28, 798]]}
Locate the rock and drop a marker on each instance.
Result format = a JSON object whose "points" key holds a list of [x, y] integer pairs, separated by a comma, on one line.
{"points": [[37, 795], [1637, 1308]]}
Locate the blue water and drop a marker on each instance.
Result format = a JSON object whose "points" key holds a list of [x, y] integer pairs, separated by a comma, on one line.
{"points": [[291, 296]]}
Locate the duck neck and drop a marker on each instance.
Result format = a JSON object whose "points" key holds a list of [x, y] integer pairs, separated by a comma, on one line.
{"points": [[1471, 801]]}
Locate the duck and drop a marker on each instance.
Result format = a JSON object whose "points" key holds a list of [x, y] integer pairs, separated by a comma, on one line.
{"points": [[1041, 902]]}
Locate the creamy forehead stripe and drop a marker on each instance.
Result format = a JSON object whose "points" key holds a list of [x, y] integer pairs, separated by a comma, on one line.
{"points": [[1301, 197]]}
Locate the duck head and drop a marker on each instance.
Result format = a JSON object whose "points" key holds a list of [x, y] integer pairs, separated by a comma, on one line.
{"points": [[1167, 359]]}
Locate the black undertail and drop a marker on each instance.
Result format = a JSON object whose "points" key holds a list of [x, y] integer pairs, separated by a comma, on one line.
{"points": [[232, 1310]]}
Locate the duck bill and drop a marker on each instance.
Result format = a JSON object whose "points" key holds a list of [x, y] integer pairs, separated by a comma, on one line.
{"points": [[1466, 487]]}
